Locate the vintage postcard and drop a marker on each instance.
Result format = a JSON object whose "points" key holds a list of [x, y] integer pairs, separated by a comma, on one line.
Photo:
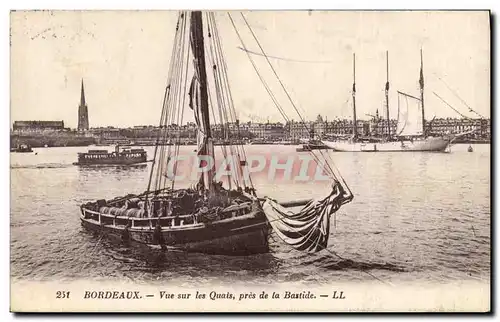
{"points": [[250, 161]]}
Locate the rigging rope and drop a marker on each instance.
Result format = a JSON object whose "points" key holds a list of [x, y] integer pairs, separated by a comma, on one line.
{"points": [[232, 111], [223, 119], [451, 106], [287, 59], [329, 168], [454, 93], [179, 108], [280, 109], [282, 85], [166, 97]]}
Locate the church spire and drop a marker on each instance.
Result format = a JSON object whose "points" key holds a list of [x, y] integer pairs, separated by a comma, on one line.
{"points": [[82, 96], [83, 112]]}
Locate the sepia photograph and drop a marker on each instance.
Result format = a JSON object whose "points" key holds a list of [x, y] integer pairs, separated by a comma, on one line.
{"points": [[250, 161]]}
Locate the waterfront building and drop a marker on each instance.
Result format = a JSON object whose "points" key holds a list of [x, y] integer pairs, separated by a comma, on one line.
{"points": [[28, 127]]}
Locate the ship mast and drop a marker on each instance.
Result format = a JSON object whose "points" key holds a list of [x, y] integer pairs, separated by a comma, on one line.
{"points": [[198, 46], [387, 97], [421, 83], [355, 123]]}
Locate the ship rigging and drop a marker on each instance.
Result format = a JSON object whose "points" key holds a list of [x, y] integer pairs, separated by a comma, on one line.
{"points": [[211, 216]]}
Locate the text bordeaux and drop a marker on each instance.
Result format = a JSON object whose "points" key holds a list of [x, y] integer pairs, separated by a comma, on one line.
{"points": [[108, 295]]}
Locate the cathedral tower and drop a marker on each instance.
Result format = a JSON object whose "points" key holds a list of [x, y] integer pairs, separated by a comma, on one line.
{"points": [[83, 113]]}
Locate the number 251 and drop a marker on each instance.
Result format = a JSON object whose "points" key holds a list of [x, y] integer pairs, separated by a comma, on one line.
{"points": [[62, 294]]}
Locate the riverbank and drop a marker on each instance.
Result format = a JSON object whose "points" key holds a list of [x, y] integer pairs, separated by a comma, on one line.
{"points": [[72, 140], [51, 140]]}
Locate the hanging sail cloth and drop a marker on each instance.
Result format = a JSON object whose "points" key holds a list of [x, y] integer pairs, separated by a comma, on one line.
{"points": [[202, 141], [309, 229], [194, 104]]}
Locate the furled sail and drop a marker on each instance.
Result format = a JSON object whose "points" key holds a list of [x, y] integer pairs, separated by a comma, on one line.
{"points": [[309, 229], [199, 100], [410, 115], [194, 104]]}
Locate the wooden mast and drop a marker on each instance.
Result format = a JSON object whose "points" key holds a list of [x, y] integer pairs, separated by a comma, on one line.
{"points": [[198, 46], [355, 121], [387, 96], [421, 83]]}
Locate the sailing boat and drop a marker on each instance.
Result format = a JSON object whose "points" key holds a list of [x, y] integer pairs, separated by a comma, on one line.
{"points": [[207, 217], [410, 134]]}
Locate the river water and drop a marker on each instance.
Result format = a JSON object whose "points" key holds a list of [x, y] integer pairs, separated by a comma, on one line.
{"points": [[415, 217]]}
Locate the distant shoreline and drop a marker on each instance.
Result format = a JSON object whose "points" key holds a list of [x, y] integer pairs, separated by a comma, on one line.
{"points": [[152, 145]]}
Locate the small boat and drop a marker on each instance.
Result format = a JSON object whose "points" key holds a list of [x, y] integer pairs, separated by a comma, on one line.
{"points": [[120, 156], [470, 149], [22, 148], [312, 145], [207, 216]]}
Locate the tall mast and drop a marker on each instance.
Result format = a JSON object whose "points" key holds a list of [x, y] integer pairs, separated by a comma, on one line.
{"points": [[421, 82], [355, 123], [199, 54], [198, 46], [387, 96]]}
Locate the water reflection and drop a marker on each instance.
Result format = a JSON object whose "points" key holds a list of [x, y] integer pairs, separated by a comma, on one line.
{"points": [[112, 169], [140, 257], [424, 213]]}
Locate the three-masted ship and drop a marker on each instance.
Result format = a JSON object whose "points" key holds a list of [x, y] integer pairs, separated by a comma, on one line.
{"points": [[411, 134], [208, 216]]}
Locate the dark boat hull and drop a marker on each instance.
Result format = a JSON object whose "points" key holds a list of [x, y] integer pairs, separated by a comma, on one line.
{"points": [[243, 235]]}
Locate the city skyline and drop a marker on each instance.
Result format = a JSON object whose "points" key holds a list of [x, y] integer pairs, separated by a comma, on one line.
{"points": [[124, 71]]}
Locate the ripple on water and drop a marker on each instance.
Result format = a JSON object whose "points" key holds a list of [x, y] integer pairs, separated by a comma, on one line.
{"points": [[415, 217]]}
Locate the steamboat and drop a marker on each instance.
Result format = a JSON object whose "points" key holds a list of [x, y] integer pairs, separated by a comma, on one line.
{"points": [[121, 156]]}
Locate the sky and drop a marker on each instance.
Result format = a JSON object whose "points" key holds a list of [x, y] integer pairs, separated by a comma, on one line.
{"points": [[123, 58]]}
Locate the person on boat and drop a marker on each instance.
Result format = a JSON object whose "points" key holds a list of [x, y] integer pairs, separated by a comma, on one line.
{"points": [[218, 186], [201, 214], [158, 236], [141, 205], [199, 202], [197, 215], [126, 234], [159, 213]]}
